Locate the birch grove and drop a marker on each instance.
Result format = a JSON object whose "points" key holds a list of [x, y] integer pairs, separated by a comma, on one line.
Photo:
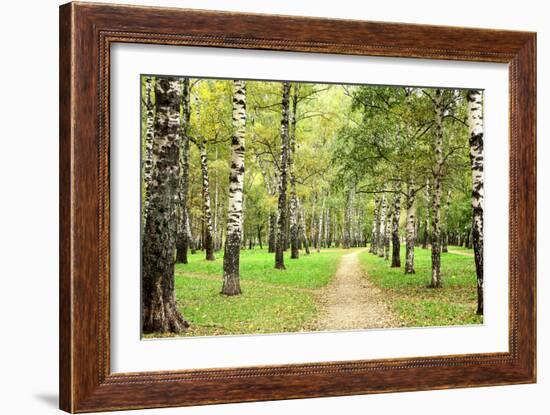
{"points": [[389, 171]]}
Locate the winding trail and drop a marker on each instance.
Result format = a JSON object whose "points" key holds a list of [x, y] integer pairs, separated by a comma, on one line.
{"points": [[351, 301]]}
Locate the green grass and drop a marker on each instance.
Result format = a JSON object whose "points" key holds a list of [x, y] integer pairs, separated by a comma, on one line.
{"points": [[415, 303], [272, 301]]}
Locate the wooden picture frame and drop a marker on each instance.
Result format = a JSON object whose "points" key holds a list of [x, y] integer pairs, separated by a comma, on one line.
{"points": [[86, 33]]}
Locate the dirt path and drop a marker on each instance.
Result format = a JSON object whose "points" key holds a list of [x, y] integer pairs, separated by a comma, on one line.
{"points": [[460, 253], [351, 301]]}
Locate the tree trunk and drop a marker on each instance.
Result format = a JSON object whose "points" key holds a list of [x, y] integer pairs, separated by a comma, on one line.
{"points": [[231, 277], [437, 193], [184, 233], [303, 228], [426, 236], [208, 243], [294, 236], [374, 234], [346, 243], [445, 233], [159, 308], [411, 213], [382, 227], [475, 125], [387, 232], [272, 232], [148, 153], [327, 238], [281, 225], [396, 243], [320, 228]]}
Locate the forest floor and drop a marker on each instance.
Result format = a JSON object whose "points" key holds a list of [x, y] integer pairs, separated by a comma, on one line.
{"points": [[417, 305], [351, 301]]}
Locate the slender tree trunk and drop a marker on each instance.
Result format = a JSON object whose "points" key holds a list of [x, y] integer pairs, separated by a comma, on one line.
{"points": [[207, 213], [410, 237], [374, 234], [346, 243], [149, 135], [382, 227], [437, 193], [281, 225], [272, 232], [396, 243], [445, 232], [426, 236], [184, 232], [231, 277], [303, 228], [387, 232], [294, 236], [159, 309], [320, 228], [475, 124], [327, 238], [216, 210]]}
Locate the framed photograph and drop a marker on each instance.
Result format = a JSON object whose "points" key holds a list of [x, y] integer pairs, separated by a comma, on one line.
{"points": [[258, 207]]}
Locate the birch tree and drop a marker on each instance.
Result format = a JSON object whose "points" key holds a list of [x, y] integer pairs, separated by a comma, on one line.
{"points": [[159, 309], [396, 243], [149, 134], [184, 232], [382, 226], [410, 230], [437, 191], [293, 208], [281, 222], [475, 126], [231, 277]]}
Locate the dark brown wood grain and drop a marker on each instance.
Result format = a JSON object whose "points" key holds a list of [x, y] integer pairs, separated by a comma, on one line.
{"points": [[86, 33]]}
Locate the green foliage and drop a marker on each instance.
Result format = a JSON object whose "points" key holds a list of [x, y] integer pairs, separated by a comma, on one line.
{"points": [[416, 304]]}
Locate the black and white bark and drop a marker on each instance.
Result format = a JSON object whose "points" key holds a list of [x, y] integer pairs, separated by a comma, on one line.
{"points": [[410, 228], [293, 208], [475, 126], [346, 237], [231, 276], [437, 191], [302, 229], [396, 243], [283, 179], [387, 232], [159, 309], [148, 150], [427, 203], [375, 226], [382, 226], [208, 241], [445, 228], [183, 238], [320, 225]]}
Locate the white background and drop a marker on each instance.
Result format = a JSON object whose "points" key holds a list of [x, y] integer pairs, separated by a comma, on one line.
{"points": [[129, 354], [28, 212]]}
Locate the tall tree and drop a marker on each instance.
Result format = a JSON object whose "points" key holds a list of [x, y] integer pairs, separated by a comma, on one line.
{"points": [[475, 126], [410, 227], [396, 243], [375, 225], [231, 277], [293, 208], [281, 223], [437, 190], [183, 238], [382, 226], [149, 134], [302, 228], [159, 311]]}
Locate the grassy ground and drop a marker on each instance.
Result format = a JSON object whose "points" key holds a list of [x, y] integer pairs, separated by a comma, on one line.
{"points": [[417, 305], [273, 301]]}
